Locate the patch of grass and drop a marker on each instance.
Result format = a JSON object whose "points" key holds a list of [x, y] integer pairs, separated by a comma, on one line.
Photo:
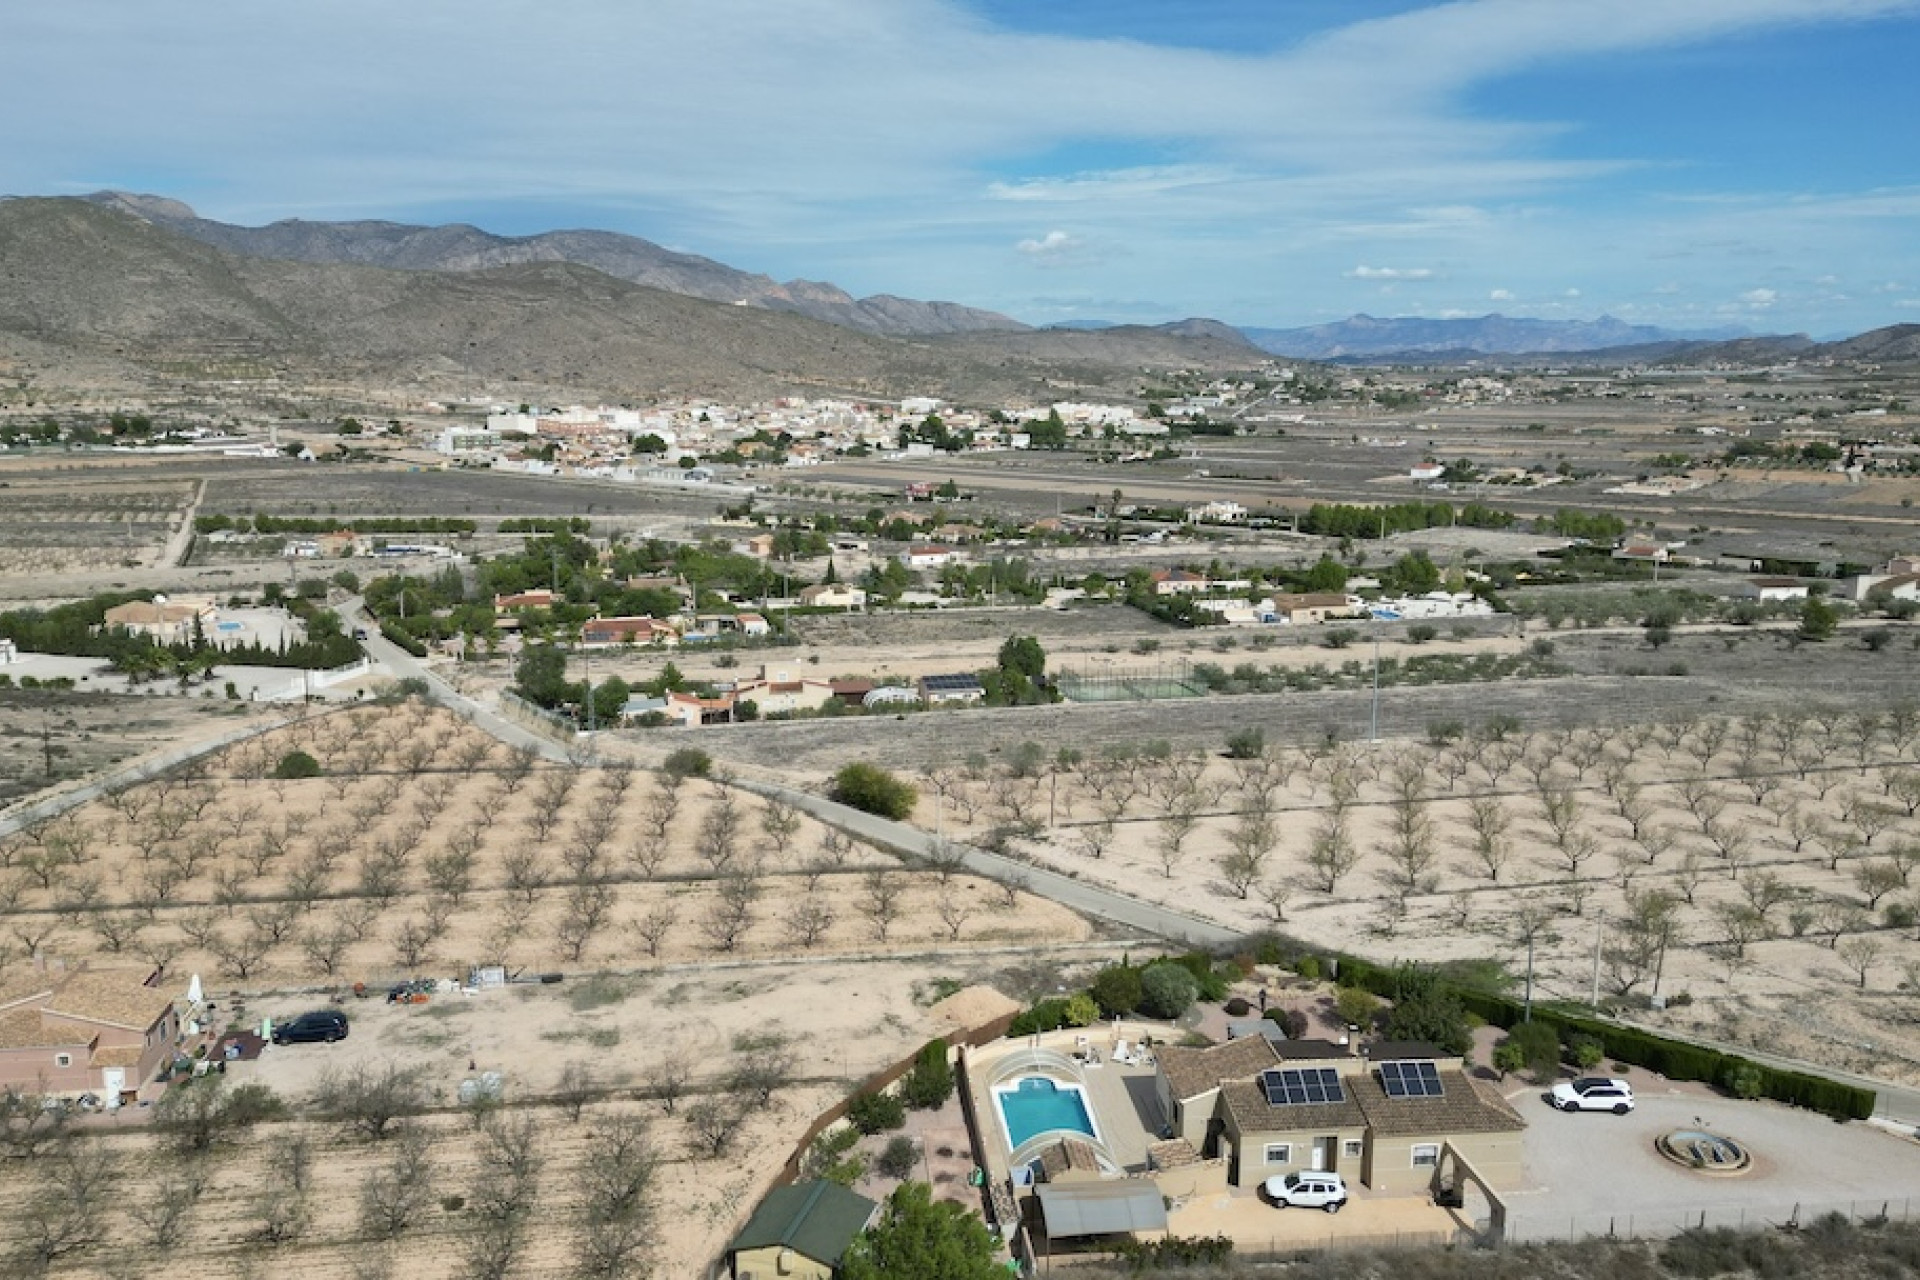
{"points": [[595, 1037], [934, 990], [599, 993]]}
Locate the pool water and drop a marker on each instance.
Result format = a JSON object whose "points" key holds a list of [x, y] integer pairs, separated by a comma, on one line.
{"points": [[230, 626], [1039, 1105]]}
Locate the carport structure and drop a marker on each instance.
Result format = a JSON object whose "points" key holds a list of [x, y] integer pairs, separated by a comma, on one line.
{"points": [[1078, 1210]]}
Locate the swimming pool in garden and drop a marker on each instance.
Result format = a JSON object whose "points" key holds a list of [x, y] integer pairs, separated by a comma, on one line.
{"points": [[1035, 1105]]}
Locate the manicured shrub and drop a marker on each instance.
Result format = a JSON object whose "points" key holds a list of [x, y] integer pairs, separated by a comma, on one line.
{"points": [[1116, 990], [929, 1083], [876, 1112], [872, 789], [1533, 1047], [297, 764], [1356, 1008], [1082, 1011], [688, 762], [1237, 1008], [1167, 990], [1309, 967], [898, 1159], [1292, 1021], [1586, 1052]]}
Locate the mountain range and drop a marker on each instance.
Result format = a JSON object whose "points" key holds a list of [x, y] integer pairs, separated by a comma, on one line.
{"points": [[118, 289], [458, 247], [125, 296], [1364, 335]]}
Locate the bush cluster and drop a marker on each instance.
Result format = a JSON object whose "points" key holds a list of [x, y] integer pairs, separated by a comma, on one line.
{"points": [[1671, 1058]]}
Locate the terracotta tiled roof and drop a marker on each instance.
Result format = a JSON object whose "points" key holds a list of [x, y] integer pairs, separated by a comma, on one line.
{"points": [[1171, 1153], [24, 1029], [1067, 1155], [1246, 1101], [1191, 1072], [116, 997], [1464, 1106], [118, 1055]]}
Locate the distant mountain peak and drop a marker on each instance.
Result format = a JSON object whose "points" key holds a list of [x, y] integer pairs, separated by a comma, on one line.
{"points": [[1493, 334]]}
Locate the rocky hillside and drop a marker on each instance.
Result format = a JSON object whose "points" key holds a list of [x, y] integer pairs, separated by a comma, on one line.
{"points": [[459, 247], [99, 282]]}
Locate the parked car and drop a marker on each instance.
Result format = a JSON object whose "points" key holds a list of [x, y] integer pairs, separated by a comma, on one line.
{"points": [[1308, 1190], [1593, 1093], [321, 1025]]}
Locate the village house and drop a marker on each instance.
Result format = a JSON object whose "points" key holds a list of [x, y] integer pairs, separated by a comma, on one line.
{"points": [[957, 689], [1311, 607], [167, 620], [833, 595], [1396, 1117], [780, 692], [1176, 582], [928, 556], [601, 633], [104, 1031]]}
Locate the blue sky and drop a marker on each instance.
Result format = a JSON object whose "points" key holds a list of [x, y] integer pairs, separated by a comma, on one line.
{"points": [[1687, 163]]}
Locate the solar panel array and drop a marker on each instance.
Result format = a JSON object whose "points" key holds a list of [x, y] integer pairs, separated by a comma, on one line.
{"points": [[951, 683], [1295, 1086], [1410, 1079]]}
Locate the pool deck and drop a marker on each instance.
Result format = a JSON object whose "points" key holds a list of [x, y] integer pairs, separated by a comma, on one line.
{"points": [[1120, 1096]]}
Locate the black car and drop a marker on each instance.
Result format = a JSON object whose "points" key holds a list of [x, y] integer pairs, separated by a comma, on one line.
{"points": [[325, 1025]]}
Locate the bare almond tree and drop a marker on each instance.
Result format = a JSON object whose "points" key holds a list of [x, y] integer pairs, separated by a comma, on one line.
{"points": [[1490, 822], [656, 925], [955, 907], [880, 901], [1331, 853], [808, 918]]}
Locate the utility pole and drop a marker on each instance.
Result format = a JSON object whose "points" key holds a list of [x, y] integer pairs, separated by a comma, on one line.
{"points": [[1527, 1004], [1374, 735], [1599, 932]]}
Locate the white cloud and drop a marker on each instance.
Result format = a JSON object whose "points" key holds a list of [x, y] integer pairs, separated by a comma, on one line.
{"points": [[1759, 299], [1501, 295], [1571, 293], [1390, 273], [808, 137], [1051, 245]]}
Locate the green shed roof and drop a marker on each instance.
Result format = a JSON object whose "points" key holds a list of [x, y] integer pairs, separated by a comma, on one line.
{"points": [[815, 1219]]}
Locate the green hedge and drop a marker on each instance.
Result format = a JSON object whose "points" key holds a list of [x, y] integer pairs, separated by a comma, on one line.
{"points": [[401, 638], [1674, 1059]]}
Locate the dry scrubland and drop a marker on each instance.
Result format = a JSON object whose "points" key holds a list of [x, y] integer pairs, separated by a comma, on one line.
{"points": [[86, 735], [755, 945], [1765, 866]]}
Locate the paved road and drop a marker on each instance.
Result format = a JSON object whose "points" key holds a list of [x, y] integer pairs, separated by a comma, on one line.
{"points": [[1088, 899], [405, 666]]}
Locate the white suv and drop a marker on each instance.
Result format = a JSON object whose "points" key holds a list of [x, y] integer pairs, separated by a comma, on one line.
{"points": [[1308, 1191], [1594, 1093]]}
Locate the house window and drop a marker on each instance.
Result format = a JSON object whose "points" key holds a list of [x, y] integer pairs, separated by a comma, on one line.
{"points": [[1353, 1148], [62, 1059], [1279, 1153], [1426, 1155]]}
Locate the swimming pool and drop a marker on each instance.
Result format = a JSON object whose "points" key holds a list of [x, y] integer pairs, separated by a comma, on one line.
{"points": [[1035, 1105], [229, 626]]}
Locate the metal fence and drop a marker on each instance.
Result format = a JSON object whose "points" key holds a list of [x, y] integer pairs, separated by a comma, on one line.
{"points": [[1664, 1223]]}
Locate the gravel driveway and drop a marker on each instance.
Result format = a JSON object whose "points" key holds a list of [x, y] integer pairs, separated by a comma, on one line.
{"points": [[1594, 1172]]}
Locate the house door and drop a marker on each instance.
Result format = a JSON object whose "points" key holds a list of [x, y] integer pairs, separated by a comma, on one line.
{"points": [[1323, 1154], [112, 1081]]}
